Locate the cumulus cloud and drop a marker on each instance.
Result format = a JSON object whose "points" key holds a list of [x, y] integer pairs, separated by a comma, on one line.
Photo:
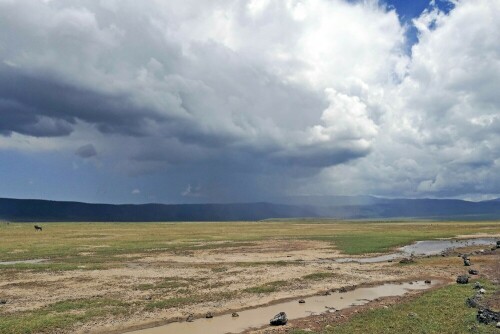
{"points": [[290, 96]]}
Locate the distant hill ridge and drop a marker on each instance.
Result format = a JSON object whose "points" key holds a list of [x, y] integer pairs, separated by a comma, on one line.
{"points": [[341, 207]]}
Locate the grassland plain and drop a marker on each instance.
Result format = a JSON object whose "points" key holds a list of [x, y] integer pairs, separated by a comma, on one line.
{"points": [[102, 277]]}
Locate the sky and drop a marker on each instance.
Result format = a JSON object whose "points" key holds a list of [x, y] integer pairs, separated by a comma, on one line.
{"points": [[236, 101]]}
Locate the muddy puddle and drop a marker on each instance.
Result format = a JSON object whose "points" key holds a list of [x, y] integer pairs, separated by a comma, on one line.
{"points": [[258, 317], [424, 248], [35, 261]]}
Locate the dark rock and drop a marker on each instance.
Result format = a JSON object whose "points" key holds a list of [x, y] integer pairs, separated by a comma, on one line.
{"points": [[463, 279], [302, 301], [390, 260], [498, 244], [427, 281], [3, 301], [473, 272], [473, 302], [486, 316], [343, 290], [279, 319], [190, 318], [477, 286], [326, 293], [235, 315], [467, 262], [209, 315]]}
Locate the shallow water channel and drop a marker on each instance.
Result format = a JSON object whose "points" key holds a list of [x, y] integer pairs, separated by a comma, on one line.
{"points": [[423, 248], [258, 317]]}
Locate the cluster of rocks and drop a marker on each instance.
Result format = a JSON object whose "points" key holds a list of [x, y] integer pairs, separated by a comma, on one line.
{"points": [[487, 316], [484, 315]]}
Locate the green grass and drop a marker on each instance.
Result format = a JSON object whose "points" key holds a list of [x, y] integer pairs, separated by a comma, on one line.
{"points": [[168, 283], [267, 287], [319, 276], [108, 242], [60, 315], [438, 312]]}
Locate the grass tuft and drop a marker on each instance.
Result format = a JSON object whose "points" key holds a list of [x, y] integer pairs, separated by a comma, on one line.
{"points": [[267, 287]]}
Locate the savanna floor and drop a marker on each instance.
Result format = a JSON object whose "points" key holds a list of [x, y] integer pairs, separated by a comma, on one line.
{"points": [[110, 277]]}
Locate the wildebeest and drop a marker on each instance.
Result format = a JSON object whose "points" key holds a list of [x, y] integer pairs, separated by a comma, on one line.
{"points": [[38, 228]]}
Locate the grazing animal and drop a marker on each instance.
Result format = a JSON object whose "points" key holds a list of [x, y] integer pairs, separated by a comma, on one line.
{"points": [[38, 228]]}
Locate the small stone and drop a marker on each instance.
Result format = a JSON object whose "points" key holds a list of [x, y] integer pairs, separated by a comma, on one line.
{"points": [[498, 324], [477, 286], [302, 301], [467, 262], [235, 315], [3, 301], [209, 315], [279, 319], [463, 279], [427, 281], [407, 260], [343, 290], [473, 272], [472, 302], [412, 315], [190, 318], [482, 291]]}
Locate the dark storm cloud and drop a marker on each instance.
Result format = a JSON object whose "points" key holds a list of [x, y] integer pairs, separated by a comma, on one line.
{"points": [[213, 98], [19, 118], [86, 151], [38, 96]]}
